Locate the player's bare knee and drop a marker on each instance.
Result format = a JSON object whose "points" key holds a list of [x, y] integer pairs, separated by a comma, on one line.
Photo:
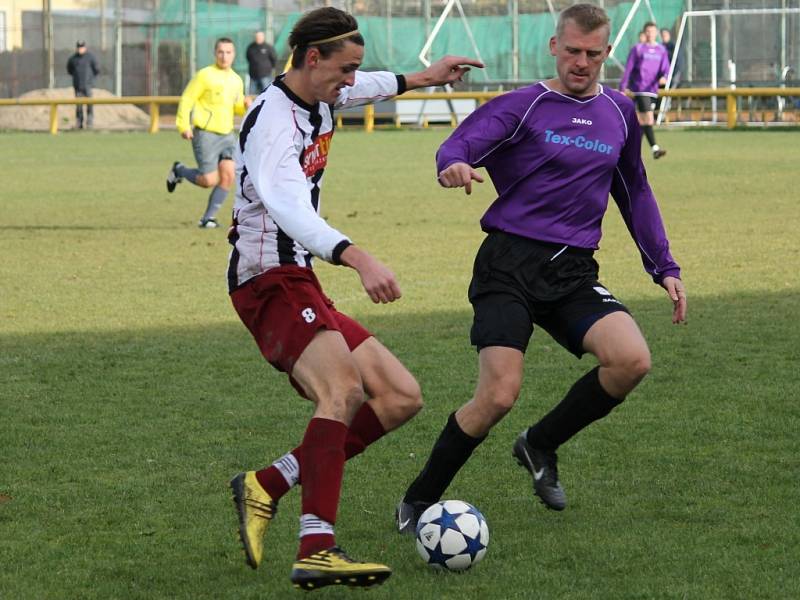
{"points": [[401, 403], [409, 399], [206, 180], [634, 367], [226, 181], [503, 402], [340, 402], [501, 397], [353, 397]]}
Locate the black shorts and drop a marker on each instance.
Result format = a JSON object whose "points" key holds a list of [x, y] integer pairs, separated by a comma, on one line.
{"points": [[518, 282], [644, 103]]}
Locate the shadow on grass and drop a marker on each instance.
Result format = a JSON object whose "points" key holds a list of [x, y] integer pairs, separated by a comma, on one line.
{"points": [[99, 228], [117, 448]]}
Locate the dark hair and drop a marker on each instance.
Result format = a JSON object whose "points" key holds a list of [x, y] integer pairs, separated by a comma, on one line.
{"points": [[222, 40], [649, 24], [587, 17], [320, 24]]}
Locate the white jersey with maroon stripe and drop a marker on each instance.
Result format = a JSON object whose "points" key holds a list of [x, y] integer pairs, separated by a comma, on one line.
{"points": [[280, 159]]}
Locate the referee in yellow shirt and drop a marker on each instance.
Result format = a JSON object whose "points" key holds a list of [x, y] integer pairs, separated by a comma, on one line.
{"points": [[205, 116]]}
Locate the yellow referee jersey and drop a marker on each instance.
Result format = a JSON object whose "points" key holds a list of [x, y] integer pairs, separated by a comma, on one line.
{"points": [[211, 98]]}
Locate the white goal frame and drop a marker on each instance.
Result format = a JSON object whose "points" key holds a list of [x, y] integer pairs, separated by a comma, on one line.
{"points": [[713, 14]]}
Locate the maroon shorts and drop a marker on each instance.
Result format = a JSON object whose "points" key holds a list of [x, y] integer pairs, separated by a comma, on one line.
{"points": [[284, 308]]}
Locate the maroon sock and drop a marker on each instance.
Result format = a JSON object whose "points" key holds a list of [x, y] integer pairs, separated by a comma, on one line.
{"points": [[364, 430], [322, 457], [272, 480]]}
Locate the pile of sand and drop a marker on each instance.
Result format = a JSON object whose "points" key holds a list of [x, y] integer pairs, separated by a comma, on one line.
{"points": [[106, 116]]}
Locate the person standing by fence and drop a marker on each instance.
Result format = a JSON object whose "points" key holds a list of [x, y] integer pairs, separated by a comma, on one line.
{"points": [[261, 61], [83, 67]]}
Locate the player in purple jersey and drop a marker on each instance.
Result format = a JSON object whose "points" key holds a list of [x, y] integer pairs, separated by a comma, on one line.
{"points": [[646, 69], [554, 152]]}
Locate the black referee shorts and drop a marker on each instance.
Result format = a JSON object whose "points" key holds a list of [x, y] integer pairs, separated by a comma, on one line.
{"points": [[518, 282], [644, 102]]}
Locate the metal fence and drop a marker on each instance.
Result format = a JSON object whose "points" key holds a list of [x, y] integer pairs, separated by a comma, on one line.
{"points": [[151, 47]]}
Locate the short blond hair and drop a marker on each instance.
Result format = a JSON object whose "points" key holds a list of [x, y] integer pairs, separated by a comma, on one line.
{"points": [[587, 17]]}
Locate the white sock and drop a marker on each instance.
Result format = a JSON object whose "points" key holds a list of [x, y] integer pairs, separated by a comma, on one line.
{"points": [[311, 524], [288, 466]]}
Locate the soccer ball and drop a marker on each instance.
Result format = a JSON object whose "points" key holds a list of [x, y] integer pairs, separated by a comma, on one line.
{"points": [[452, 535]]}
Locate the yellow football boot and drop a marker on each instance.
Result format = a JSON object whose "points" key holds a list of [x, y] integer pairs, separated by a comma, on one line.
{"points": [[334, 567], [256, 509]]}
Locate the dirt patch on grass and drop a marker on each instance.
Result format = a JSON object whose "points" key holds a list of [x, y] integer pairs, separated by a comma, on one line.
{"points": [[106, 116]]}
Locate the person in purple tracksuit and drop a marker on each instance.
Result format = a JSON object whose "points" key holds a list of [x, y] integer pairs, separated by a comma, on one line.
{"points": [[554, 152], [646, 69]]}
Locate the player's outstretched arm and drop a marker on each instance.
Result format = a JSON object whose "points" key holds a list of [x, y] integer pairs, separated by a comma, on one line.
{"points": [[378, 281], [459, 174], [445, 70], [677, 293]]}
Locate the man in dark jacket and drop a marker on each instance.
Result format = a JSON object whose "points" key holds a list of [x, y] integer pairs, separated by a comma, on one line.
{"points": [[83, 67], [677, 73], [261, 61]]}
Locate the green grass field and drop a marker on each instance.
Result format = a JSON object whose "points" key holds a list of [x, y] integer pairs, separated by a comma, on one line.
{"points": [[130, 393]]}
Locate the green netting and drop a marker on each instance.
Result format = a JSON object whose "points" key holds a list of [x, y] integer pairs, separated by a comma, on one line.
{"points": [[394, 44]]}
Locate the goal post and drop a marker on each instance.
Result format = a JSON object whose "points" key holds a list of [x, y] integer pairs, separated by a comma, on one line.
{"points": [[735, 47]]}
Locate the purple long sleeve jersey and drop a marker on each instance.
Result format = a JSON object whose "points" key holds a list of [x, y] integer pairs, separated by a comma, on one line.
{"points": [[553, 160], [646, 64]]}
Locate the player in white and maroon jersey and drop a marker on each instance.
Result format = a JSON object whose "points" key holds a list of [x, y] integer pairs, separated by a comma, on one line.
{"points": [[361, 391]]}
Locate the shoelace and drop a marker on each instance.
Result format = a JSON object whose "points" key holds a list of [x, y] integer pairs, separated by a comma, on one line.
{"points": [[551, 473], [340, 553]]}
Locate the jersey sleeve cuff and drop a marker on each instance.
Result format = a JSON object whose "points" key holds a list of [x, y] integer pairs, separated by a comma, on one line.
{"points": [[659, 278], [336, 256], [402, 86]]}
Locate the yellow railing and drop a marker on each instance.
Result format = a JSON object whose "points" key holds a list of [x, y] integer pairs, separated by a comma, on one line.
{"points": [[155, 102]]}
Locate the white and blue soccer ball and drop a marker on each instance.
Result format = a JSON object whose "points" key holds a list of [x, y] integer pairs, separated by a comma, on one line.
{"points": [[452, 535]]}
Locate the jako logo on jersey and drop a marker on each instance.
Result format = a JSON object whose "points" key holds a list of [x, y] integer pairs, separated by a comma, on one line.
{"points": [[316, 154], [308, 315], [579, 141], [577, 121], [601, 290]]}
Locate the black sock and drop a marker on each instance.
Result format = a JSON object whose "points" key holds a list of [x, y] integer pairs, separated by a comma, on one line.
{"points": [[450, 452], [585, 402], [648, 133]]}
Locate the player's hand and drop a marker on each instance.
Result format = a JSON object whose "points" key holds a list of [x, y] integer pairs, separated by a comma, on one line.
{"points": [[677, 293], [445, 70], [662, 82], [378, 281], [248, 100], [459, 175], [187, 135]]}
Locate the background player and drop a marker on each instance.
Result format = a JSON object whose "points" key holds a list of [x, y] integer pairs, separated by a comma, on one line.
{"points": [[554, 151], [331, 359], [205, 116], [646, 69]]}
